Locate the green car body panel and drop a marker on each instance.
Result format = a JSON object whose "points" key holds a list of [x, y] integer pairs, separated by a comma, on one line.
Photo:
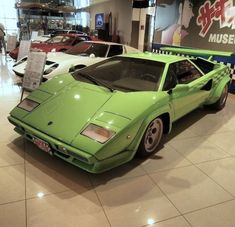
{"points": [[72, 105]]}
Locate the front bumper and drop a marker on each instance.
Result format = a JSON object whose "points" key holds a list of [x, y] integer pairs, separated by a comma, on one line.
{"points": [[71, 154]]}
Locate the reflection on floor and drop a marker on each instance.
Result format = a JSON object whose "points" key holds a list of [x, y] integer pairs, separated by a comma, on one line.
{"points": [[189, 182]]}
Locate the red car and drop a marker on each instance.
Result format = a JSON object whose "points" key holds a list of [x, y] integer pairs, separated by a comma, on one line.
{"points": [[58, 43]]}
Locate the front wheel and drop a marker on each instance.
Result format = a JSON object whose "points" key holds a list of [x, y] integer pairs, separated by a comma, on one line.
{"points": [[219, 105], [151, 138]]}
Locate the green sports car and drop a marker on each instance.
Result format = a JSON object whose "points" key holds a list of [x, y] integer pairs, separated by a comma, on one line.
{"points": [[105, 114]]}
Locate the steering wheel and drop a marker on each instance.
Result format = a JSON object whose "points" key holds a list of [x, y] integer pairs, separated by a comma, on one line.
{"points": [[148, 77]]}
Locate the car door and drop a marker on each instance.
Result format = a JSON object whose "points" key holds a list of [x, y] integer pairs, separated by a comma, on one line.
{"points": [[185, 87]]}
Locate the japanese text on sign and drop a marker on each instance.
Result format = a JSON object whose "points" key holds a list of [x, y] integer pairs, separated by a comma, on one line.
{"points": [[221, 10]]}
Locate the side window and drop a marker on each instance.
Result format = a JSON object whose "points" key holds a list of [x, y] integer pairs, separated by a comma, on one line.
{"points": [[170, 81], [186, 72], [115, 50]]}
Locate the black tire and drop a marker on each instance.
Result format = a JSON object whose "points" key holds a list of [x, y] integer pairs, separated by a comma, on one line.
{"points": [[219, 105], [151, 138]]}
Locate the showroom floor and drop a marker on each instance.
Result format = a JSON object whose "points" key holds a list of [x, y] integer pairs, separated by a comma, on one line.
{"points": [[189, 182]]}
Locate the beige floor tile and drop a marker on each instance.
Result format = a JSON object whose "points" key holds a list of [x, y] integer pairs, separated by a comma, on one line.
{"points": [[178, 134], [69, 209], [226, 116], [4, 113], [131, 169], [128, 170], [12, 153], [12, 183], [34, 154], [3, 121], [216, 216], [7, 133], [166, 158], [49, 174], [181, 130], [223, 140], [204, 122], [6, 106], [189, 189], [221, 171], [10, 92], [13, 214], [225, 113], [230, 122], [209, 125], [134, 202], [53, 176], [198, 149], [174, 222]]}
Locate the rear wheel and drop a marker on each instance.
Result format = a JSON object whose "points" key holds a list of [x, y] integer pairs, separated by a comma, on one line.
{"points": [[222, 100], [151, 138]]}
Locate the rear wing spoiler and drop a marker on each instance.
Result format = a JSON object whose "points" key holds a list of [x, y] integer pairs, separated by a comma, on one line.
{"points": [[198, 52]]}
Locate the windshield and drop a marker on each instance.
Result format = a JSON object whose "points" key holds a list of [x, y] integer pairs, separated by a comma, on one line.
{"points": [[125, 73], [59, 39], [88, 48]]}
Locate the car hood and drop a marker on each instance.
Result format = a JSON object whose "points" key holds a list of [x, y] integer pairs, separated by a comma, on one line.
{"points": [[64, 115]]}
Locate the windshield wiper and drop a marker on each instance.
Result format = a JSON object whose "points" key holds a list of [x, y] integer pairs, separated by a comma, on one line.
{"points": [[95, 81]]}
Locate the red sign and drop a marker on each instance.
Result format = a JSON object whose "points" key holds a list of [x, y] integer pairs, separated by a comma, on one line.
{"points": [[221, 10]]}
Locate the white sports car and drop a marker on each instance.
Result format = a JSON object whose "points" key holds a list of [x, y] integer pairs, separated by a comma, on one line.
{"points": [[79, 56]]}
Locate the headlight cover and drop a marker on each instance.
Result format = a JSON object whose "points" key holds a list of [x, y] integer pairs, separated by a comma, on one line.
{"points": [[28, 105], [98, 133]]}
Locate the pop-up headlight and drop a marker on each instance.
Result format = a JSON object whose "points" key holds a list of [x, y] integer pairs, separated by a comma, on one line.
{"points": [[98, 133], [28, 105]]}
